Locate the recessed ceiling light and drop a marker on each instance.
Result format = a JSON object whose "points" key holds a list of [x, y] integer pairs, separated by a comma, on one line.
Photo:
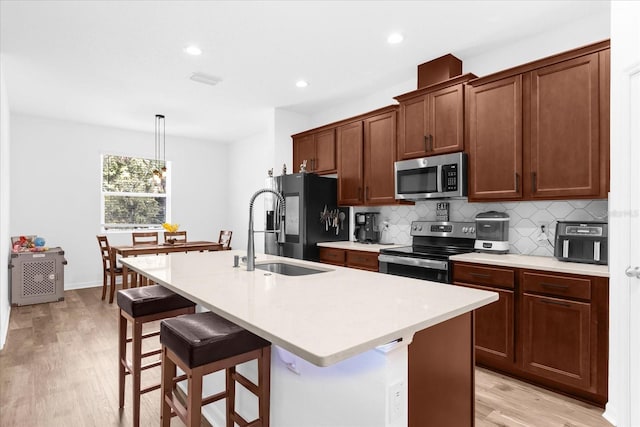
{"points": [[302, 83], [193, 50], [395, 38]]}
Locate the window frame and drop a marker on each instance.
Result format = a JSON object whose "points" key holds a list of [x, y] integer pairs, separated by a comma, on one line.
{"points": [[128, 228]]}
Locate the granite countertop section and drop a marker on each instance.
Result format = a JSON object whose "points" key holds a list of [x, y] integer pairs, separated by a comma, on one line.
{"points": [[324, 318], [534, 262], [355, 246]]}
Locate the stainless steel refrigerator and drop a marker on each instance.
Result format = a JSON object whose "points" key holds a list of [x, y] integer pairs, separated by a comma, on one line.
{"points": [[311, 215]]}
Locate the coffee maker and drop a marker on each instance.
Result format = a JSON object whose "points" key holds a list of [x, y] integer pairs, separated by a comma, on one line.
{"points": [[366, 229]]}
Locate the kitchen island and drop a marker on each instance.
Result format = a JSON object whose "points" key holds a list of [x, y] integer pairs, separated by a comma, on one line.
{"points": [[352, 348]]}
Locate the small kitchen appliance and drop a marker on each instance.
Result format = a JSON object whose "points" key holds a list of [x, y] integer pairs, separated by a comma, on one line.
{"points": [[428, 256], [492, 232], [366, 229], [582, 241]]}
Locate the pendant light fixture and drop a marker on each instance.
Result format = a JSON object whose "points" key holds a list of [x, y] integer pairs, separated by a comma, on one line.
{"points": [[160, 149]]}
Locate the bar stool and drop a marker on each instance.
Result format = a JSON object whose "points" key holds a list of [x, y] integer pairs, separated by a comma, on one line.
{"points": [[140, 306], [203, 343]]}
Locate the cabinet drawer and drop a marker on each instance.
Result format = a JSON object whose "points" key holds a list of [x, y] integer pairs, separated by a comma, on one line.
{"points": [[333, 256], [556, 285], [480, 275], [363, 260]]}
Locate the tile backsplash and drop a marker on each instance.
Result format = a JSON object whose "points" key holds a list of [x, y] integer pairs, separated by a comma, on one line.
{"points": [[525, 219]]}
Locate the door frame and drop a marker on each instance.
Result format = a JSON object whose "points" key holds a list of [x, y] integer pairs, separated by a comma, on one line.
{"points": [[624, 217]]}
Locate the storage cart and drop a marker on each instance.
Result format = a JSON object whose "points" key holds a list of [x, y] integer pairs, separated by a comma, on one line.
{"points": [[37, 277]]}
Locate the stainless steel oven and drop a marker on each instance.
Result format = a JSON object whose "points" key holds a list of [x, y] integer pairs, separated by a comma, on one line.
{"points": [[428, 257]]}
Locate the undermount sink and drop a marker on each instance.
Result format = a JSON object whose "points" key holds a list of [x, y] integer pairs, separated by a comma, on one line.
{"points": [[288, 269]]}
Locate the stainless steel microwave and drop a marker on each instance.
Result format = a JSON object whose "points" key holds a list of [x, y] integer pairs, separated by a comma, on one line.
{"points": [[435, 177]]}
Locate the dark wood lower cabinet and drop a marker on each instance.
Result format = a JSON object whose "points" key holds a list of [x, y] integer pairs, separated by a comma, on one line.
{"points": [[333, 256], [494, 329], [363, 260], [549, 329], [556, 335]]}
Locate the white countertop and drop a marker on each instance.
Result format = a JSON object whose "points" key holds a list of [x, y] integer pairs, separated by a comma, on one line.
{"points": [[323, 318], [355, 246], [533, 262]]}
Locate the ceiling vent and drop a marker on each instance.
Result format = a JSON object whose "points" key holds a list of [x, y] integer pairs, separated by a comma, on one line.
{"points": [[205, 78]]}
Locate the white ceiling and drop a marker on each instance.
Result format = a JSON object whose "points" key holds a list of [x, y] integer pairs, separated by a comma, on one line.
{"points": [[118, 63]]}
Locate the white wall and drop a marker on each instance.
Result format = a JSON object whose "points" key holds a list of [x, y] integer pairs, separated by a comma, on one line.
{"points": [[55, 186], [287, 123], [249, 160], [573, 34], [624, 226], [514, 52], [376, 100], [5, 307]]}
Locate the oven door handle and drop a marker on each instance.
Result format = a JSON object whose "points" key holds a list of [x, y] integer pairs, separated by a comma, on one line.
{"points": [[414, 262]]}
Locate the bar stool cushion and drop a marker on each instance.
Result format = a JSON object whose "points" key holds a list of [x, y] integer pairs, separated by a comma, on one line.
{"points": [[202, 338], [153, 299]]}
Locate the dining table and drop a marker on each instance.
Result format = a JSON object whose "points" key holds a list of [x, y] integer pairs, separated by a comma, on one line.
{"points": [[158, 249]]}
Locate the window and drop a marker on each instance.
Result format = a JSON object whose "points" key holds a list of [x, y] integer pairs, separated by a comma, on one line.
{"points": [[132, 197]]}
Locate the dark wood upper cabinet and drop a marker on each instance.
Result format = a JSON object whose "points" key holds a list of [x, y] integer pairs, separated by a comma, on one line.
{"points": [[565, 129], [379, 156], [446, 120], [494, 122], [318, 148], [540, 131], [325, 160], [432, 119], [350, 164], [304, 148], [366, 153]]}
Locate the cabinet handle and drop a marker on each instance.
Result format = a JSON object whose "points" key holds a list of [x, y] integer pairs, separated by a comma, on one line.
{"points": [[430, 142], [533, 182], [554, 286], [484, 276], [366, 192], [426, 146], [516, 178], [563, 304]]}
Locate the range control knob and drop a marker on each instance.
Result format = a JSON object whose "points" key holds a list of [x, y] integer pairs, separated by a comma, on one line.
{"points": [[465, 229], [472, 229], [419, 228]]}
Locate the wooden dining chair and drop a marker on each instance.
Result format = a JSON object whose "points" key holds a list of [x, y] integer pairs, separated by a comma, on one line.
{"points": [[225, 239], [144, 238], [175, 236], [110, 268]]}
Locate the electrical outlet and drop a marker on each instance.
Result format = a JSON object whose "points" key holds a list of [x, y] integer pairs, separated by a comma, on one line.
{"points": [[395, 393], [542, 232]]}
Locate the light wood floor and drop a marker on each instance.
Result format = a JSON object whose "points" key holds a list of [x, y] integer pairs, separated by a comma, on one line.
{"points": [[59, 368]]}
